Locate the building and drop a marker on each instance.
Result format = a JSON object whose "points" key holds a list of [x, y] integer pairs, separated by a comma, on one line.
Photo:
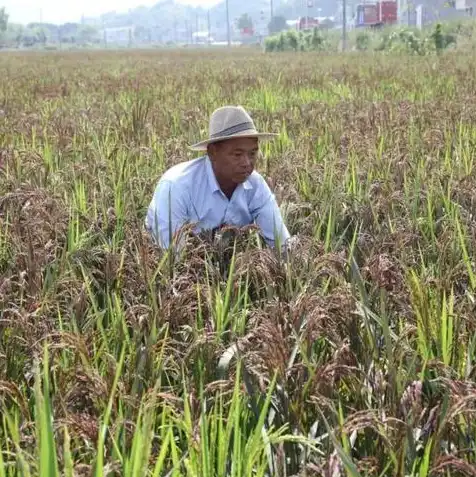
{"points": [[425, 12], [202, 37], [470, 6], [119, 35]]}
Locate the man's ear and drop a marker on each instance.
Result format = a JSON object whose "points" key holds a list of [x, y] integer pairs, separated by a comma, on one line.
{"points": [[211, 151]]}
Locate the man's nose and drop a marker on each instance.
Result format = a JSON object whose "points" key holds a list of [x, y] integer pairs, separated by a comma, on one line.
{"points": [[248, 159]]}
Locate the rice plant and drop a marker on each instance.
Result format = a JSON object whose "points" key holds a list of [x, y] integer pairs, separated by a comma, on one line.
{"points": [[354, 355]]}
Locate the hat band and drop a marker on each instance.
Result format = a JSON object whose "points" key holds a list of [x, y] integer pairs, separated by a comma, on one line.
{"points": [[233, 129]]}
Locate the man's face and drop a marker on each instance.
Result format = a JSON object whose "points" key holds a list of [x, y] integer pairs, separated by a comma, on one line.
{"points": [[234, 159]]}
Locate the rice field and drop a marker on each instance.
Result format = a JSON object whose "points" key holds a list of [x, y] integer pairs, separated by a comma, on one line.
{"points": [[353, 356]]}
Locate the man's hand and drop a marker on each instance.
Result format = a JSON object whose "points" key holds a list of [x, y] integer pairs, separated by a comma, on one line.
{"points": [[291, 244]]}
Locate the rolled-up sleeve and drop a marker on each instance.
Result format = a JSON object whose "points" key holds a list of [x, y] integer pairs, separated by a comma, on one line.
{"points": [[167, 212], [267, 215]]}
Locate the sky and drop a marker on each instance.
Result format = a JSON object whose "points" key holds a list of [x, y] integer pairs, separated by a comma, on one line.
{"points": [[61, 11]]}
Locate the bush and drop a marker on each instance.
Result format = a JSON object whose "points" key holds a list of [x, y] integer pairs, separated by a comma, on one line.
{"points": [[442, 40], [408, 40], [292, 40], [363, 41], [317, 41], [297, 41], [271, 44]]}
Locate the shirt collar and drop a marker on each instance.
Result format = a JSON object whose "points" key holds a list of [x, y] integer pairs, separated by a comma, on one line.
{"points": [[212, 180]]}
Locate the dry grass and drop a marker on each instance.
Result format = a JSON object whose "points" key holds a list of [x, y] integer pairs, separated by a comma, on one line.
{"points": [[361, 344]]}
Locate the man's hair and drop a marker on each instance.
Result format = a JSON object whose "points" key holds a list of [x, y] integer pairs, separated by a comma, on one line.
{"points": [[215, 145]]}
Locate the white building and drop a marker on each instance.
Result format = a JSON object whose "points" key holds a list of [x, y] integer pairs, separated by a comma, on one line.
{"points": [[202, 37], [119, 35], [424, 12]]}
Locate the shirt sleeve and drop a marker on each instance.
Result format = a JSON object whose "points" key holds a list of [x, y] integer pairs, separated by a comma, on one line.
{"points": [[167, 212], [265, 212]]}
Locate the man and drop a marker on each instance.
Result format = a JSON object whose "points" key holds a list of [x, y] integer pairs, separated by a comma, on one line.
{"points": [[219, 188]]}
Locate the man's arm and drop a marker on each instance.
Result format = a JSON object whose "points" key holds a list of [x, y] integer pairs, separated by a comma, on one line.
{"points": [[266, 213], [167, 212]]}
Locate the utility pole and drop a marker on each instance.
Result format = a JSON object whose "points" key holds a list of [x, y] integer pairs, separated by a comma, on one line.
{"points": [[308, 9], [344, 24], [307, 17], [197, 29], [208, 27], [105, 33], [228, 23], [271, 9]]}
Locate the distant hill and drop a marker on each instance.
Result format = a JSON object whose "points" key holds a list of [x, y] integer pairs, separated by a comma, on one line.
{"points": [[171, 21]]}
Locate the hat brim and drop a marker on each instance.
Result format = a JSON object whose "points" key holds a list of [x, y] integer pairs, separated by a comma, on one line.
{"points": [[202, 146]]}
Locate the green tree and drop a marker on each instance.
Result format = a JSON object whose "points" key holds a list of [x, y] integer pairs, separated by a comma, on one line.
{"points": [[245, 21], [293, 40], [3, 20], [271, 44], [14, 34], [281, 42], [438, 38], [362, 41], [277, 24], [41, 34], [69, 32], [87, 34]]}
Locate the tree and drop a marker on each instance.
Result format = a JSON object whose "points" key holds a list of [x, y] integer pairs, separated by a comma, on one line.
{"points": [[245, 22], [87, 34], [293, 41], [277, 24], [3, 20], [14, 34], [41, 34], [68, 32], [316, 39]]}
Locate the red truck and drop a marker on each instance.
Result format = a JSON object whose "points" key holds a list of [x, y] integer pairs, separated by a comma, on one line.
{"points": [[376, 14]]}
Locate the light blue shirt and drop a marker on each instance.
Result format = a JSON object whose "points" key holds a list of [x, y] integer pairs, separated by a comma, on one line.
{"points": [[189, 193]]}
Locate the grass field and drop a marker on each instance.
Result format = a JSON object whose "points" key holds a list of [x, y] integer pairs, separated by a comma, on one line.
{"points": [[354, 356]]}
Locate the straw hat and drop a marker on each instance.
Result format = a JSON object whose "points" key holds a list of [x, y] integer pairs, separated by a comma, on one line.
{"points": [[229, 122]]}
